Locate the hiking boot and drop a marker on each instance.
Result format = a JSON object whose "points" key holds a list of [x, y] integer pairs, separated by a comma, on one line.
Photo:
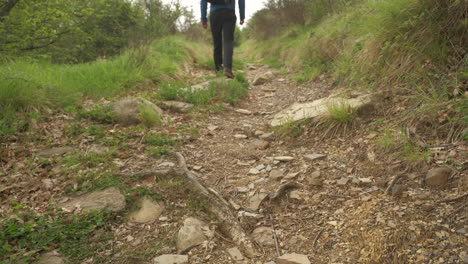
{"points": [[228, 73]]}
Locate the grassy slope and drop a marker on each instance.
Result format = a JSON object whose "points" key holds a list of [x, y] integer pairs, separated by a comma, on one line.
{"points": [[31, 85], [417, 45]]}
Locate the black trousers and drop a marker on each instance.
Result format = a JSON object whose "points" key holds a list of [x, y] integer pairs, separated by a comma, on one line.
{"points": [[223, 24]]}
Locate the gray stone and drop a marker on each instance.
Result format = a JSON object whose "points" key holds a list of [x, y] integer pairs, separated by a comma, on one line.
{"points": [[318, 108], [260, 144], [51, 257], [293, 259], [242, 189], [171, 259], [175, 106], [240, 136], [235, 253], [284, 158], [270, 262], [149, 211], [267, 135], [343, 181], [264, 236], [256, 200], [244, 111], [438, 176], [191, 234], [254, 171], [47, 153], [206, 85], [263, 78], [110, 199], [276, 174], [315, 156], [96, 148], [128, 111]]}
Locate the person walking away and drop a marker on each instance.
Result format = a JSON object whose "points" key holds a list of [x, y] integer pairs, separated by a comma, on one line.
{"points": [[223, 23]]}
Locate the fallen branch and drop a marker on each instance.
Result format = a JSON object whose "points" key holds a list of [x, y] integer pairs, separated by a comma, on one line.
{"points": [[454, 198], [316, 238], [394, 181], [219, 207], [457, 209], [283, 188], [275, 237]]}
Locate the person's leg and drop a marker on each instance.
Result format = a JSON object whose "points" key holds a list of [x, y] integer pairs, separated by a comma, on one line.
{"points": [[229, 26], [216, 24]]}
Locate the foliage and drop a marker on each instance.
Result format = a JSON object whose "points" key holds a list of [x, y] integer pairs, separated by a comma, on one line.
{"points": [[80, 31], [103, 114], [148, 116], [158, 151], [27, 84], [159, 140], [341, 113], [25, 233], [229, 91]]}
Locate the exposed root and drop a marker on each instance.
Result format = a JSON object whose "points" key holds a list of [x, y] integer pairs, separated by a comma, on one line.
{"points": [[219, 207], [283, 188]]}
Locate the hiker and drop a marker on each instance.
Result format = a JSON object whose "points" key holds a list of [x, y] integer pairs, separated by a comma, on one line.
{"points": [[223, 23]]}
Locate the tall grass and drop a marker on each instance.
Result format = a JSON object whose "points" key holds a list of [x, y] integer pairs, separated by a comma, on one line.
{"points": [[384, 42], [27, 84]]}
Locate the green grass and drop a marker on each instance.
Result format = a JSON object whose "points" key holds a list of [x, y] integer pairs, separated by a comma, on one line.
{"points": [[159, 140], [341, 113], [229, 91], [26, 234], [149, 117], [27, 84], [103, 114]]}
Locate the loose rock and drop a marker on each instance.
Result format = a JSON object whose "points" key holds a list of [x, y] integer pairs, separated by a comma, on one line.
{"points": [[293, 259], [263, 78], [51, 257], [256, 200], [260, 144], [110, 199], [235, 253], [243, 111], [276, 174], [318, 108], [438, 176], [175, 106], [171, 259], [343, 181], [127, 111], [284, 158], [149, 211], [47, 153], [264, 236], [315, 156], [191, 234]]}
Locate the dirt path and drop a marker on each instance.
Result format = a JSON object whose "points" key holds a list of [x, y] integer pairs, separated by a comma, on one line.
{"points": [[340, 209], [339, 214]]}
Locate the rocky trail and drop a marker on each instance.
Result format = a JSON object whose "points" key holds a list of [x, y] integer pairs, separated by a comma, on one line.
{"points": [[299, 194]]}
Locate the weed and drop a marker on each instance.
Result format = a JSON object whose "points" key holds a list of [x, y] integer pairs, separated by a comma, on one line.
{"points": [[341, 113], [289, 128], [229, 91], [414, 153], [388, 141], [149, 117], [159, 140], [102, 114], [158, 151], [88, 159], [170, 91], [25, 234]]}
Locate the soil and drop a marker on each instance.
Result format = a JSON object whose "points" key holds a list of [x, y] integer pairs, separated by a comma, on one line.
{"points": [[341, 211]]}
